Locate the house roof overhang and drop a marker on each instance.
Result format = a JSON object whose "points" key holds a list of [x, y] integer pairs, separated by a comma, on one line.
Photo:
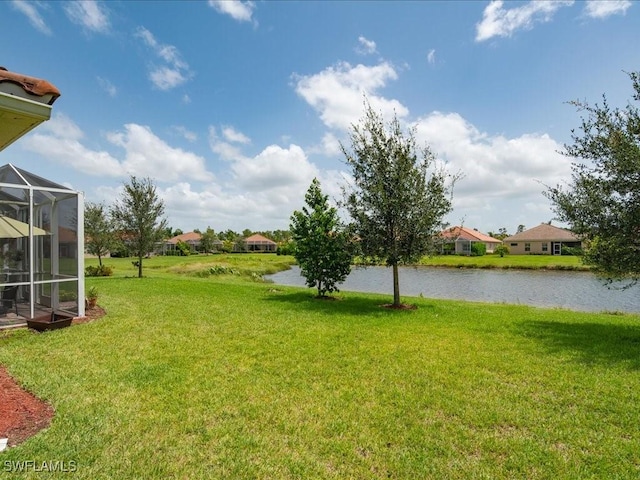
{"points": [[25, 102]]}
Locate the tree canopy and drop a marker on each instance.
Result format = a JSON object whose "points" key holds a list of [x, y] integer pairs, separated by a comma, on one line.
{"points": [[138, 215], [322, 245], [399, 197], [602, 202], [98, 229]]}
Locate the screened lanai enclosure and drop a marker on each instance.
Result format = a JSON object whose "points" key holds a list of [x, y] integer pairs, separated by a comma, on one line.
{"points": [[41, 247]]}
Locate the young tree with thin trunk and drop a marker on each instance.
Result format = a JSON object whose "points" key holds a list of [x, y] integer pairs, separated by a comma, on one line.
{"points": [[138, 215], [398, 198], [322, 246], [99, 231], [602, 204]]}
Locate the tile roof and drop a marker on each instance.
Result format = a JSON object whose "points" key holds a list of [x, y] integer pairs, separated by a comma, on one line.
{"points": [[33, 87], [257, 238], [186, 237], [544, 232], [465, 233]]}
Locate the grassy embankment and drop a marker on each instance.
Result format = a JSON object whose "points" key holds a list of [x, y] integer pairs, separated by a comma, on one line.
{"points": [[199, 375]]}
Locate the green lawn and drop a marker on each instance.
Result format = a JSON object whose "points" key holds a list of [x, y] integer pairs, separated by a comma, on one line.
{"points": [[192, 375], [551, 262]]}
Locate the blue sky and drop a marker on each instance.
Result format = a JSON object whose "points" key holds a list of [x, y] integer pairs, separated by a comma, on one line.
{"points": [[232, 108]]}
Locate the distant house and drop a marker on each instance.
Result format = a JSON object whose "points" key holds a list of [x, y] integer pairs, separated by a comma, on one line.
{"points": [[259, 243], [193, 239], [190, 238], [460, 239], [544, 239]]}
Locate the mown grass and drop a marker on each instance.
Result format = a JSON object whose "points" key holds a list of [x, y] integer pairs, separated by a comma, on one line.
{"points": [[525, 262], [221, 377]]}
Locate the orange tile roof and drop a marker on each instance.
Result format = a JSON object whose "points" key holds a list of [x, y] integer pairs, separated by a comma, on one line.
{"points": [[31, 85], [186, 237], [257, 238], [465, 233]]}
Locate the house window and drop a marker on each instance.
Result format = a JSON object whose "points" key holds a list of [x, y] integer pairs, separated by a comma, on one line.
{"points": [[527, 247], [514, 244], [545, 247]]}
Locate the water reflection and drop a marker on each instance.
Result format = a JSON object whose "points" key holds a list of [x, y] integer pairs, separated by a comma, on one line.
{"points": [[571, 290]]}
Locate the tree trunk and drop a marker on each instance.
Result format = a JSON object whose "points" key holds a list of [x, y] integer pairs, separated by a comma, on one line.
{"points": [[140, 266], [396, 286]]}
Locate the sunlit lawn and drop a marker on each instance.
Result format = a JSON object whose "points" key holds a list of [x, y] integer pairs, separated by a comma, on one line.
{"points": [[558, 262], [222, 376]]}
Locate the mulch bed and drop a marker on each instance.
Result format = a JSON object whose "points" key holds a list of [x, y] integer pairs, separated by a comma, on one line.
{"points": [[22, 415]]}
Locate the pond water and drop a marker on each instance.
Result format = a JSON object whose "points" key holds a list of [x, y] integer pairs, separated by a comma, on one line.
{"points": [[563, 289]]}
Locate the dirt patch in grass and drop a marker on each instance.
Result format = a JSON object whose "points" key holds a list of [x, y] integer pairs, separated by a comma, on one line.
{"points": [[22, 415]]}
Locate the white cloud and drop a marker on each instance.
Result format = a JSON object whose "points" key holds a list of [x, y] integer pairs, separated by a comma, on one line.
{"points": [[148, 155], [32, 11], [145, 154], [225, 150], [59, 140], [232, 135], [175, 72], [606, 8], [186, 133], [365, 46], [89, 14], [166, 78], [337, 92], [502, 22], [236, 9], [498, 172], [431, 56], [107, 86], [274, 167]]}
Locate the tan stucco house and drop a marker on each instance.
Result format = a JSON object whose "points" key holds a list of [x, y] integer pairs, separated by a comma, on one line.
{"points": [[260, 243], [544, 239], [462, 238]]}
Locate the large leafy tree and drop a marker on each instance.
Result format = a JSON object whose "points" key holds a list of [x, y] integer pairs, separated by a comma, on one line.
{"points": [[602, 203], [138, 214], [398, 197], [207, 241], [322, 245], [99, 230]]}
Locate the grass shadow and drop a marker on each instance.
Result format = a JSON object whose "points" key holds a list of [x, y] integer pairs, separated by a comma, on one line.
{"points": [[592, 343], [341, 304]]}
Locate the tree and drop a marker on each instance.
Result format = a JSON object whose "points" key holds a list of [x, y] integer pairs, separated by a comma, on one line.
{"points": [[322, 246], [207, 240], [138, 215], [99, 230], [397, 200], [602, 204]]}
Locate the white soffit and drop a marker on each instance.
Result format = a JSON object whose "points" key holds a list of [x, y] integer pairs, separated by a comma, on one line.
{"points": [[19, 116]]}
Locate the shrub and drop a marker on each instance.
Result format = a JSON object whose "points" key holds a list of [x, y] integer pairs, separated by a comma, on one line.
{"points": [[286, 248], [183, 248], [98, 271], [501, 250], [478, 249]]}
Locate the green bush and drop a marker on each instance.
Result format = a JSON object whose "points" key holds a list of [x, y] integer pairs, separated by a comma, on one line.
{"points": [[286, 248], [98, 271], [501, 250], [478, 249]]}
